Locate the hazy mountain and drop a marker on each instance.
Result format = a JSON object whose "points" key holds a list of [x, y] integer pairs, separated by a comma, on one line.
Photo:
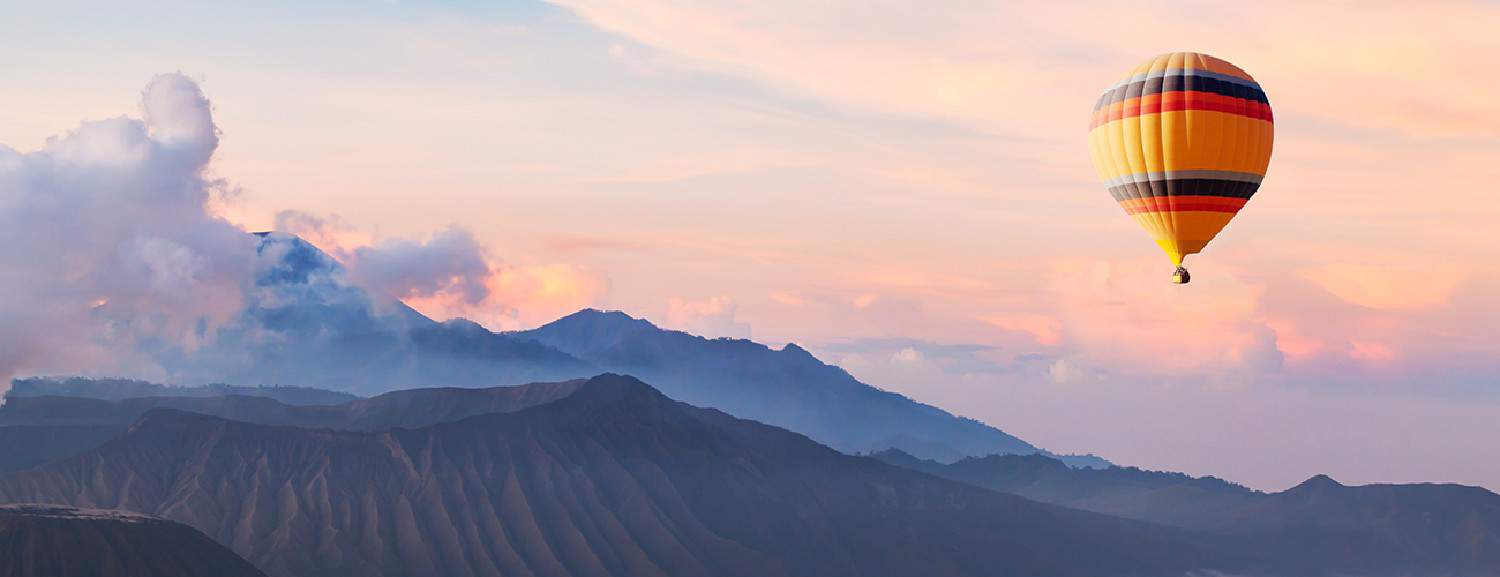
{"points": [[410, 408], [51, 541], [1421, 529], [26, 446], [116, 389], [306, 324], [787, 388], [1171, 498], [1319, 526], [35, 430], [613, 479]]}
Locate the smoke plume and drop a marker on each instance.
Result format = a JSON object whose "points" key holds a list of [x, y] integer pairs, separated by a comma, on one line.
{"points": [[110, 244]]}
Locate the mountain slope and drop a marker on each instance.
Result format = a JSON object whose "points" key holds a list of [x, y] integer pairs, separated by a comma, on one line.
{"points": [[26, 446], [50, 541], [1318, 527], [36, 430], [1421, 529], [1161, 497], [614, 479], [787, 388], [306, 324]]}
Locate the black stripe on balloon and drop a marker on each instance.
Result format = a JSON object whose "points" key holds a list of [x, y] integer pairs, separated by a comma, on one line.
{"points": [[1176, 83], [1184, 187]]}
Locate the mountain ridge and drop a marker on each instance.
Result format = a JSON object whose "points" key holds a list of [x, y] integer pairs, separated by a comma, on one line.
{"points": [[1319, 524], [613, 479], [787, 387]]}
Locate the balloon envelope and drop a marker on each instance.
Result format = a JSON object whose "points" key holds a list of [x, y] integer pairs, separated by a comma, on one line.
{"points": [[1182, 142]]}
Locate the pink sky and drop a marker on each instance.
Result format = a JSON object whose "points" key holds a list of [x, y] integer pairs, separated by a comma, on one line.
{"points": [[905, 191]]}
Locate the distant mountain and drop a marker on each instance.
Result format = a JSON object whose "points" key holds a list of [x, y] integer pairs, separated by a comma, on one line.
{"points": [[787, 388], [306, 324], [410, 408], [35, 430], [26, 446], [612, 479], [116, 389], [1170, 498], [1422, 529], [51, 541], [1318, 527]]}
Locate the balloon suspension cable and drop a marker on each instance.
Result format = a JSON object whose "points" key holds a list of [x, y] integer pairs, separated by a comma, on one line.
{"points": [[1181, 276]]}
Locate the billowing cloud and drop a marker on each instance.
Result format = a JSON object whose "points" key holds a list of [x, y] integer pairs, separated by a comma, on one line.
{"points": [[111, 244], [450, 265], [451, 274]]}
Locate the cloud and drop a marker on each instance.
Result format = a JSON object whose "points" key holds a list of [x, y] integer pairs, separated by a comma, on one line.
{"points": [[329, 232], [1046, 330], [450, 265], [956, 60], [1118, 315], [712, 317], [111, 244], [452, 274], [788, 299], [1388, 285], [881, 356]]}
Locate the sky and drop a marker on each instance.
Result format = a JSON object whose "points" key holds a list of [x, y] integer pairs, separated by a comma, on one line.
{"points": [[903, 188]]}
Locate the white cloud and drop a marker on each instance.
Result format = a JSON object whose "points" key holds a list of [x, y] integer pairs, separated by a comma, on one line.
{"points": [[110, 241]]}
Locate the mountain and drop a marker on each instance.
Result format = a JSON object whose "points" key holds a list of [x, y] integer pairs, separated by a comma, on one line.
{"points": [[116, 389], [26, 446], [1170, 498], [35, 430], [305, 323], [1318, 527], [612, 479], [1420, 529], [50, 541], [788, 388], [410, 408]]}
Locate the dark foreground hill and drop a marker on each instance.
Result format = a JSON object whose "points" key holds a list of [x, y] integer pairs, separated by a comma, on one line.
{"points": [[613, 479], [1318, 526], [51, 541]]}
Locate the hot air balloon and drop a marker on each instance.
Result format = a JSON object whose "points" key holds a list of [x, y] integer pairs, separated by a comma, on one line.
{"points": [[1182, 143]]}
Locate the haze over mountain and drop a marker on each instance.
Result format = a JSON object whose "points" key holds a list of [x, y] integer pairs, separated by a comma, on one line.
{"points": [[1422, 529], [116, 389], [612, 479], [45, 428], [787, 388], [307, 324], [52, 541]]}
